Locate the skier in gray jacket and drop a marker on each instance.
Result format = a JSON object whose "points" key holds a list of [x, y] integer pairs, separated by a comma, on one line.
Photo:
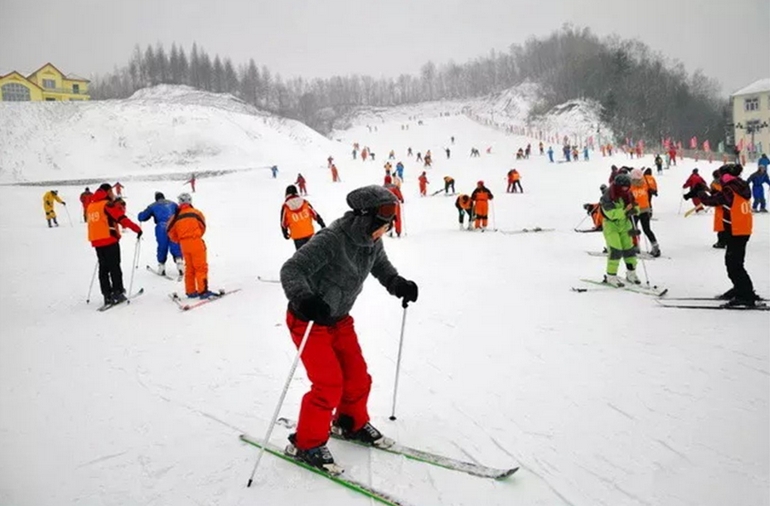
{"points": [[322, 281]]}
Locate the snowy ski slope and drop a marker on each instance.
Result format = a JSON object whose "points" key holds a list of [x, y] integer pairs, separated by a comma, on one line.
{"points": [[602, 397]]}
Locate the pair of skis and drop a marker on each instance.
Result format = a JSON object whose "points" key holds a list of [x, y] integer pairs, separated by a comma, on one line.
{"points": [[186, 306], [653, 290], [396, 449], [525, 230], [126, 301], [710, 303]]}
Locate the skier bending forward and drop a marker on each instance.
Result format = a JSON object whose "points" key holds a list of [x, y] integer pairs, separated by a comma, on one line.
{"points": [[322, 281]]}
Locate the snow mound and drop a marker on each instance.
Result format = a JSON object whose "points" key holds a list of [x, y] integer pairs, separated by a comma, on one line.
{"points": [[158, 130]]}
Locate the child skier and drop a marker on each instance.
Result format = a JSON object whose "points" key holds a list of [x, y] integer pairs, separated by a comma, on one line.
{"points": [[617, 206], [187, 228], [161, 211]]}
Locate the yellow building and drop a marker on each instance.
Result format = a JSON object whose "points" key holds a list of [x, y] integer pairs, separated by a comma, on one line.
{"points": [[46, 83]]}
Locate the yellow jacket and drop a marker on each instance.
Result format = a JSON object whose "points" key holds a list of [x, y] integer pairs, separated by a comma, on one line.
{"points": [[48, 199]]}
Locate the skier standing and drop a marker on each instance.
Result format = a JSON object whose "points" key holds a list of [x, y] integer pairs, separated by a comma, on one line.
{"points": [[641, 192], [48, 206], [161, 211], [757, 179], [659, 164], [423, 180], [297, 217], [480, 198], [617, 206], [738, 223], [85, 199], [104, 216], [550, 153], [396, 191], [118, 189], [187, 228], [300, 182], [322, 281]]}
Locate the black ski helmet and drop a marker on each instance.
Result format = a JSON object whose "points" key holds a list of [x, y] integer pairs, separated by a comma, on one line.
{"points": [[291, 190], [159, 196]]}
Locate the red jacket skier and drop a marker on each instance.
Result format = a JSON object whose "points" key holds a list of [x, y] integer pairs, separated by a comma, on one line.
{"points": [[694, 181]]}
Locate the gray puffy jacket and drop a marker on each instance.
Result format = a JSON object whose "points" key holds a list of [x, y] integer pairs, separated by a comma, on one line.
{"points": [[335, 264]]}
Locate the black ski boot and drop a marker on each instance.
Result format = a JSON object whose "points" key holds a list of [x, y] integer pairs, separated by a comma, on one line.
{"points": [[367, 434], [749, 301], [729, 294], [319, 456], [119, 297]]}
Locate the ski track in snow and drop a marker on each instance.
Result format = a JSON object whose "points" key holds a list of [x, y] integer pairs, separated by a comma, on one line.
{"points": [[602, 397]]}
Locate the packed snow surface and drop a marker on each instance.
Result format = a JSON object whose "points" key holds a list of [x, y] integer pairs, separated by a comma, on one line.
{"points": [[602, 397]]}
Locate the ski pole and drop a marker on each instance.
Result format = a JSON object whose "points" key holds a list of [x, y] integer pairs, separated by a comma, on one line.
{"points": [[681, 201], [403, 221], [404, 304], [493, 214], [580, 222], [134, 266], [68, 215], [280, 401], [91, 286], [641, 259]]}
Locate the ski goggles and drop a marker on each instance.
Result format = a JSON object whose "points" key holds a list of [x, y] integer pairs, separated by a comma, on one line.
{"points": [[386, 212]]}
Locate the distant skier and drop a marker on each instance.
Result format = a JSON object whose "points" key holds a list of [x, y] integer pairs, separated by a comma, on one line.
{"points": [[757, 180], [187, 227], [330, 161], [274, 171], [738, 224], [300, 182], [480, 198], [550, 153], [85, 199], [617, 206], [49, 198], [118, 189], [695, 180], [396, 191], [322, 281], [191, 182], [409, 151], [652, 184], [449, 182], [464, 206], [104, 217], [335, 174], [297, 217], [400, 171], [448, 153], [541, 148], [423, 181], [585, 154], [161, 211]]}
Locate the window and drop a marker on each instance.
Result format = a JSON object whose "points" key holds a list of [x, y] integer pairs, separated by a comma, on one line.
{"points": [[76, 89], [752, 125], [15, 92], [751, 104], [49, 99], [49, 83]]}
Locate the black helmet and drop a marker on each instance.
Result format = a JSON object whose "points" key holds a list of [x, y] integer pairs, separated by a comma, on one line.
{"points": [[623, 180], [603, 188], [291, 190], [159, 196]]}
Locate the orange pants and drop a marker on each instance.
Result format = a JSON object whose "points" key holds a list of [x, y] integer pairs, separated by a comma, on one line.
{"points": [[480, 212], [196, 270], [423, 189], [397, 221]]}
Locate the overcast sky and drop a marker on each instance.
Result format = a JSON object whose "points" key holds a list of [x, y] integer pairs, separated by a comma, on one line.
{"points": [[730, 41]]}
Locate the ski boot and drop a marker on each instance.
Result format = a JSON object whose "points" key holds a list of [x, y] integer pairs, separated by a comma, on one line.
{"points": [[613, 280], [742, 301], [632, 278], [161, 269], [367, 434], [193, 295], [319, 457], [719, 245], [208, 294], [118, 297], [655, 252]]}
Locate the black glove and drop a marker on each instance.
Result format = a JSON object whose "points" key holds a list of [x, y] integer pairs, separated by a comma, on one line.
{"points": [[403, 289], [286, 234], [314, 308], [139, 235], [687, 196], [634, 232], [64, 203], [320, 221]]}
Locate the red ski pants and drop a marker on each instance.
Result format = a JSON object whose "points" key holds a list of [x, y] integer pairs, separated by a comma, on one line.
{"points": [[340, 380]]}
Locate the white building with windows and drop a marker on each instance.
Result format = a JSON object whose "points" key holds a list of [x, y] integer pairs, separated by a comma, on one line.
{"points": [[751, 118]]}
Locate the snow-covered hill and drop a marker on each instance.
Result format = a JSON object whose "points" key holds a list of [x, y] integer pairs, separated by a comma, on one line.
{"points": [[509, 111], [158, 130]]}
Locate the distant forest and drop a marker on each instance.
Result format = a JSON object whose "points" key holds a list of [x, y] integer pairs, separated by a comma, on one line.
{"points": [[643, 94]]}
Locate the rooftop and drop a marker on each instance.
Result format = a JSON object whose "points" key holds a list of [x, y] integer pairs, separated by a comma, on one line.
{"points": [[755, 87]]}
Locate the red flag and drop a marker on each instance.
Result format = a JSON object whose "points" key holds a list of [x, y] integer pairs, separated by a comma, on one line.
{"points": [[679, 145], [740, 145], [694, 143], [706, 146]]}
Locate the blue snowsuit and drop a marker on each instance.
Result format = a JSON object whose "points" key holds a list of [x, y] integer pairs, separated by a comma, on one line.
{"points": [[162, 211], [758, 191], [550, 154], [400, 170]]}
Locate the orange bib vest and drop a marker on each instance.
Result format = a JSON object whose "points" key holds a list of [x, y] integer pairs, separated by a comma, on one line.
{"points": [[740, 216], [99, 226], [299, 222]]}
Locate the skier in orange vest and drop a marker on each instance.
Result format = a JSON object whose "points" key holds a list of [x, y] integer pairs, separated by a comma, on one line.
{"points": [[297, 217], [395, 190]]}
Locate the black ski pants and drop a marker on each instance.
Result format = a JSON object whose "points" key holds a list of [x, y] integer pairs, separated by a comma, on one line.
{"points": [[298, 243], [110, 275], [735, 253], [644, 219]]}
